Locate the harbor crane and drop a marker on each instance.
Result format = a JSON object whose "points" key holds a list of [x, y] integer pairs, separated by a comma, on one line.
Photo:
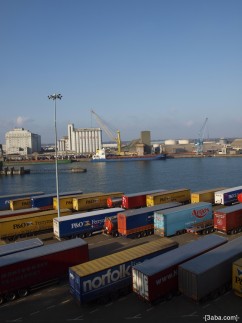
{"points": [[199, 141], [112, 136]]}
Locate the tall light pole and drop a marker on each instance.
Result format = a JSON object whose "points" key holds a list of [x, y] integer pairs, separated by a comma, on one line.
{"points": [[54, 97]]}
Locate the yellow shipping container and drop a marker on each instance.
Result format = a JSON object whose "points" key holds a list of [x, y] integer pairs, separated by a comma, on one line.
{"points": [[182, 195], [237, 277], [66, 202], [22, 203], [21, 225], [93, 201], [205, 196]]}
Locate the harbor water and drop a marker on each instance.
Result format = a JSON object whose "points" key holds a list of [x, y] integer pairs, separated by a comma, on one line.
{"points": [[129, 177]]}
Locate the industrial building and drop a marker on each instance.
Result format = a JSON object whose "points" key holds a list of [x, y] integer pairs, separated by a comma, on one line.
{"points": [[22, 142], [81, 141]]}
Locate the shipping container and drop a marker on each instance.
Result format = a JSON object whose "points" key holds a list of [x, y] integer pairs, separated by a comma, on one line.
{"points": [[4, 199], [21, 203], [210, 274], [9, 213], [93, 201], [182, 195], [136, 200], [227, 196], [205, 195], [178, 220], [237, 277], [140, 222], [22, 271], [109, 276], [228, 219], [28, 224], [114, 201], [45, 202], [66, 202], [157, 279], [82, 224], [18, 246]]}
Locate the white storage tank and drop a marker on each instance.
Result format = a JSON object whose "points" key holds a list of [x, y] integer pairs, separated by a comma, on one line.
{"points": [[183, 142], [170, 142]]}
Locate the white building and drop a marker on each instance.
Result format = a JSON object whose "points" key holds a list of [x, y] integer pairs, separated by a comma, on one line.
{"points": [[22, 142], [81, 141]]}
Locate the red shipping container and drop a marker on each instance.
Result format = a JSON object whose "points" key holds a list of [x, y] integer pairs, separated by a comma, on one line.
{"points": [[229, 219], [135, 200]]}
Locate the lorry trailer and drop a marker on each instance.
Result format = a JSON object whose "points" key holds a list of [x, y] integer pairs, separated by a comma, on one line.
{"points": [[45, 202], [18, 246], [157, 278], [24, 225], [22, 271], [205, 195], [176, 221], [136, 200], [95, 201], [9, 213], [82, 224], [228, 219], [140, 222], [110, 276], [4, 199], [182, 195], [227, 196], [210, 274]]}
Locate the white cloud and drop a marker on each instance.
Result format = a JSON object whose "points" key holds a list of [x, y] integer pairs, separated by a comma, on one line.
{"points": [[21, 121]]}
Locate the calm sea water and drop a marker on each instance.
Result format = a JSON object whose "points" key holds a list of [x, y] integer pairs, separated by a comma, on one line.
{"points": [[130, 177]]}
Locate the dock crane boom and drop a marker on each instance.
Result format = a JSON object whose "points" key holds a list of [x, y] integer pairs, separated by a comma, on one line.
{"points": [[108, 131], [199, 141]]}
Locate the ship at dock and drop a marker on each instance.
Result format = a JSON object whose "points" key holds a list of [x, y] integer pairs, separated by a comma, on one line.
{"points": [[101, 156]]}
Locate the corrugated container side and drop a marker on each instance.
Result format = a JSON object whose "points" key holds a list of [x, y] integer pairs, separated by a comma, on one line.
{"points": [[22, 203], [209, 273], [135, 200]]}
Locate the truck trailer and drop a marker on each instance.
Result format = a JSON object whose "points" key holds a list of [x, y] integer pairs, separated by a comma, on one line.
{"points": [[182, 195], [157, 279], [18, 246], [210, 274], [237, 277], [228, 219], [82, 224], [22, 271], [136, 200], [227, 196], [140, 222], [205, 195], [177, 220], [110, 276]]}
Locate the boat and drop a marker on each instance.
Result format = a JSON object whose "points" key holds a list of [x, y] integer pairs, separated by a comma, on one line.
{"points": [[101, 156]]}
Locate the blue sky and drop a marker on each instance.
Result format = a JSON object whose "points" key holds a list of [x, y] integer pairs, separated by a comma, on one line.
{"points": [[158, 65]]}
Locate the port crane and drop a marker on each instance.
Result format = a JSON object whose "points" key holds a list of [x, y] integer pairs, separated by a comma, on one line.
{"points": [[112, 136], [199, 141]]}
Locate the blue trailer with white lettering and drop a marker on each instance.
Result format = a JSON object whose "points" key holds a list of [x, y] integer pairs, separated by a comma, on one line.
{"points": [[82, 224], [110, 276], [227, 196]]}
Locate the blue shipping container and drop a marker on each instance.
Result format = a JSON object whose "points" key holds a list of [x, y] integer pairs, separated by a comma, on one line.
{"points": [[83, 223], [177, 220], [4, 199], [46, 200], [106, 276]]}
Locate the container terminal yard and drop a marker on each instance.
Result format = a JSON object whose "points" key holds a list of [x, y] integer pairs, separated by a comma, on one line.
{"points": [[56, 302]]}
